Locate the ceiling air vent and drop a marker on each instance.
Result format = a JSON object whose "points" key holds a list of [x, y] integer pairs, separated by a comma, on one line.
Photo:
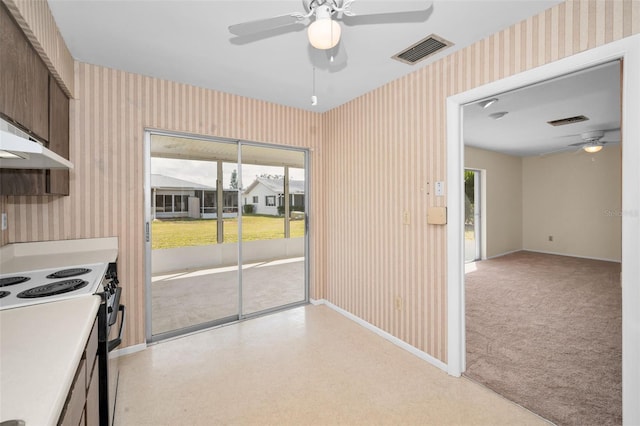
{"points": [[422, 49], [569, 120]]}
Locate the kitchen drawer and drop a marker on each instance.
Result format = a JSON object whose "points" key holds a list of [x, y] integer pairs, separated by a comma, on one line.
{"points": [[91, 352], [92, 413], [74, 407]]}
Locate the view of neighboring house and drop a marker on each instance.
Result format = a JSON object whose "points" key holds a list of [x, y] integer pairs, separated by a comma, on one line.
{"points": [[267, 194], [174, 198]]}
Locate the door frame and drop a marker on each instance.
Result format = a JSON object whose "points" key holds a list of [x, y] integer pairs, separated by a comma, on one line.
{"points": [[628, 50], [149, 337]]}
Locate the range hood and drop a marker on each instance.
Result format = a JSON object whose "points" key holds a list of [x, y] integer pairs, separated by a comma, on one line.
{"points": [[19, 151]]}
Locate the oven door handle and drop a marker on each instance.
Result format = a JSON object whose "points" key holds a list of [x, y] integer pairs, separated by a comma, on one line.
{"points": [[113, 318], [112, 344]]}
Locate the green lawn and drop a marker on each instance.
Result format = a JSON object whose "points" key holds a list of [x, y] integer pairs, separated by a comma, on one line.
{"points": [[170, 233]]}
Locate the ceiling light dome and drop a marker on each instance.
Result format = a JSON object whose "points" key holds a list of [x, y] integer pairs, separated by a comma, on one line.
{"points": [[324, 33], [498, 115], [592, 148]]}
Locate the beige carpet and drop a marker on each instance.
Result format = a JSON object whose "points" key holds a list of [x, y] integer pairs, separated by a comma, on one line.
{"points": [[545, 332]]}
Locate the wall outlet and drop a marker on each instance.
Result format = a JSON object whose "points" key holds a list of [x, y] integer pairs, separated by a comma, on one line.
{"points": [[4, 221], [439, 188], [398, 303], [550, 237]]}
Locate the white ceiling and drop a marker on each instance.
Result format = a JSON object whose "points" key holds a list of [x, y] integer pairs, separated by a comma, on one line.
{"points": [[524, 131], [188, 41]]}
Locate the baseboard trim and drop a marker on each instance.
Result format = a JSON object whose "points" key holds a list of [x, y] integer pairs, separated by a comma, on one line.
{"points": [[503, 254], [317, 302], [391, 338], [129, 350], [573, 255]]}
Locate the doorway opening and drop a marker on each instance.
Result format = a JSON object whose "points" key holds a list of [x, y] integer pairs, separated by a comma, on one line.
{"points": [[629, 50], [226, 232], [533, 286]]}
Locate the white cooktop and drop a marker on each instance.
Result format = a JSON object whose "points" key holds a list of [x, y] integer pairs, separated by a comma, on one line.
{"points": [[39, 278]]}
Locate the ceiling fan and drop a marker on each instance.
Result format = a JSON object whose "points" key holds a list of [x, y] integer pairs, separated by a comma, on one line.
{"points": [[592, 141], [322, 16]]}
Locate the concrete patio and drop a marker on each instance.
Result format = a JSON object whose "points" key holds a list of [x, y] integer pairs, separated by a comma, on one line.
{"points": [[190, 297]]}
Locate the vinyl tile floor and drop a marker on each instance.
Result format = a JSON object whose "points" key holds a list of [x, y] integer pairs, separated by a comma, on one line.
{"points": [[305, 366]]}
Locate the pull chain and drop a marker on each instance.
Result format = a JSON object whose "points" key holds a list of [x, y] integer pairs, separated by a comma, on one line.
{"points": [[314, 98]]}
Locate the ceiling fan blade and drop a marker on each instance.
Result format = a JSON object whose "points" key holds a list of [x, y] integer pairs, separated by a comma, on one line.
{"points": [[250, 38], [387, 12], [578, 144], [555, 151], [260, 25]]}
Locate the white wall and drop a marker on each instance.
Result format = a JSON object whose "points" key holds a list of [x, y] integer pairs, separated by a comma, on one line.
{"points": [[503, 198], [576, 198]]}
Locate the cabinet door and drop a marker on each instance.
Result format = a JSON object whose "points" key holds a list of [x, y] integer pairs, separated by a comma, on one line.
{"points": [[93, 401], [45, 182], [58, 180], [25, 100], [24, 80], [22, 182], [74, 407]]}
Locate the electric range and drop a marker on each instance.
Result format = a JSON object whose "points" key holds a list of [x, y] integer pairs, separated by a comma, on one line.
{"points": [[53, 284], [48, 285]]}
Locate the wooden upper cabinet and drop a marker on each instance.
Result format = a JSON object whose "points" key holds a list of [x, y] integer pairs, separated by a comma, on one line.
{"points": [[45, 182], [24, 79], [31, 98]]}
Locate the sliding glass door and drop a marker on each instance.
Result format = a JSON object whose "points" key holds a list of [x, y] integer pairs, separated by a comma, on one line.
{"points": [[226, 231], [273, 228], [194, 268]]}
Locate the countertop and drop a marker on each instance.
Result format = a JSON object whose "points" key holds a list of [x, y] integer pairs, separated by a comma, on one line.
{"points": [[21, 257], [40, 348]]}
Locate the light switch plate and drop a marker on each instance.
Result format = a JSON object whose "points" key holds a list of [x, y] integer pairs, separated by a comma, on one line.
{"points": [[439, 188], [437, 215]]}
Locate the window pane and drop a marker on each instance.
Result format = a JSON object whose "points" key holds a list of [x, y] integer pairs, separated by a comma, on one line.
{"points": [[159, 203], [180, 203]]}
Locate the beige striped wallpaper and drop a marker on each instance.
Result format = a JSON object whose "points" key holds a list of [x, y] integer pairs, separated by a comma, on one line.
{"points": [[387, 148], [107, 141], [384, 151], [35, 19]]}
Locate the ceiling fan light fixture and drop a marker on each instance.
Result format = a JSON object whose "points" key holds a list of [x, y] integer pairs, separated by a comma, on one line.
{"points": [[324, 33], [498, 115], [591, 149]]}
